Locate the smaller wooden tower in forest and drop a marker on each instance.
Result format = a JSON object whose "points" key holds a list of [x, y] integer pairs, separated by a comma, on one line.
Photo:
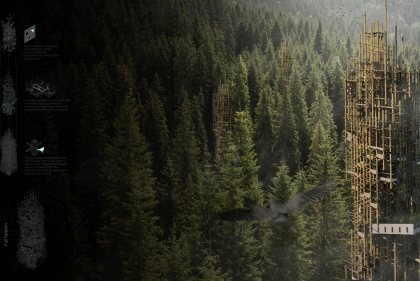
{"points": [[124, 84], [284, 68], [382, 123], [222, 117]]}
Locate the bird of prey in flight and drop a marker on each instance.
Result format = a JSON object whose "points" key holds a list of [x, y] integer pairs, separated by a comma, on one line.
{"points": [[278, 212]]}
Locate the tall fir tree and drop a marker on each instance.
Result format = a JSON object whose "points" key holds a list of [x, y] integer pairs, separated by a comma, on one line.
{"points": [[328, 222], [318, 40], [336, 92], [197, 108], [276, 35], [183, 63], [300, 110], [264, 136], [229, 36], [241, 248], [126, 198], [285, 132], [243, 145], [141, 251], [240, 91], [254, 81], [289, 244], [183, 184], [156, 130], [311, 86], [321, 111], [185, 154], [349, 47], [91, 138]]}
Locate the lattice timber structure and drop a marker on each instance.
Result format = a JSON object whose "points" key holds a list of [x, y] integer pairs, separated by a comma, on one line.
{"points": [[284, 68], [222, 116], [382, 119]]}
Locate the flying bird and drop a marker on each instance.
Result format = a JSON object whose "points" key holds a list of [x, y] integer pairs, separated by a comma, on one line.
{"points": [[278, 212]]}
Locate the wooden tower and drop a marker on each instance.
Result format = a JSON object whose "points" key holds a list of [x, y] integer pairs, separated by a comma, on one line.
{"points": [[382, 122], [222, 117]]}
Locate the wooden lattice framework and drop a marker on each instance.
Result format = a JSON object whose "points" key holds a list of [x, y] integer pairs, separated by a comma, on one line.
{"points": [[382, 119], [222, 117], [284, 68]]}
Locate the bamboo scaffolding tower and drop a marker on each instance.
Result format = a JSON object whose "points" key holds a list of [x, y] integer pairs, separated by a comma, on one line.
{"points": [[382, 125], [222, 117]]}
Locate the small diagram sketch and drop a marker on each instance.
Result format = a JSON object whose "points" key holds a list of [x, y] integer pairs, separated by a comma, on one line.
{"points": [[29, 34], [34, 147], [9, 34], [32, 248], [9, 95], [9, 161], [38, 87]]}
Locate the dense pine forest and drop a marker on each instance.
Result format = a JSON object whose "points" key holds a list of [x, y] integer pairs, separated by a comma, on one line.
{"points": [[146, 185]]}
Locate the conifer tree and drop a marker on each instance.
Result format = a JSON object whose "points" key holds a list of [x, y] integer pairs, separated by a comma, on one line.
{"points": [[289, 243], [336, 92], [241, 248], [183, 179], [156, 130], [329, 226], [264, 135], [254, 82], [91, 138], [177, 262], [241, 43], [312, 84], [200, 130], [92, 124], [321, 111], [141, 251], [103, 82], [183, 64], [240, 91], [243, 145], [349, 48], [276, 35], [187, 175], [127, 197], [318, 137], [229, 40], [207, 270], [285, 132], [300, 110], [270, 65], [211, 198], [318, 41]]}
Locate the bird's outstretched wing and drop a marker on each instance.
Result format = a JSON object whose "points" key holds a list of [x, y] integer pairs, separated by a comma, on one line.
{"points": [[277, 213], [305, 198], [238, 215], [255, 213]]}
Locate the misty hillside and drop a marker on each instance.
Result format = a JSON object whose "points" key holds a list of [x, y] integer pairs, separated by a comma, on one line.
{"points": [[346, 17]]}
